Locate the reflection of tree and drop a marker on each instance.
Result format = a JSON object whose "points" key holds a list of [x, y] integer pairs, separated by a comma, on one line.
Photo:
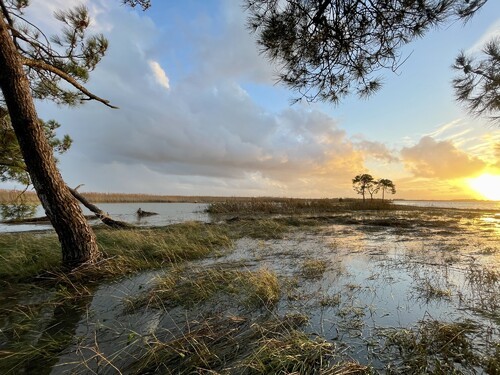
{"points": [[47, 328]]}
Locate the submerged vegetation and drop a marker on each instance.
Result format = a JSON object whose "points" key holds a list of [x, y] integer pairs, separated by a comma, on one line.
{"points": [[250, 288], [314, 288]]}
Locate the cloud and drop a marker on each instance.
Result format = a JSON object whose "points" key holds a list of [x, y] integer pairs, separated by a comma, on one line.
{"points": [[233, 54], [376, 150], [159, 74], [440, 159], [445, 128], [492, 32], [206, 133], [497, 155]]}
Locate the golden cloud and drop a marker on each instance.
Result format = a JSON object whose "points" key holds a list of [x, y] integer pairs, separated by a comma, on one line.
{"points": [[440, 159]]}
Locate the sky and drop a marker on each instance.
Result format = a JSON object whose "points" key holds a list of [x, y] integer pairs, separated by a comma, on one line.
{"points": [[201, 113]]}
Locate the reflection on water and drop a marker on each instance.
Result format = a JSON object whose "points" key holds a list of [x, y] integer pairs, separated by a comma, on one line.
{"points": [[491, 223], [377, 280], [466, 205], [386, 274], [168, 213]]}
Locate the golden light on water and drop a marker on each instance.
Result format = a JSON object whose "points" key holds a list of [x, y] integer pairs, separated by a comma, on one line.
{"points": [[487, 185]]}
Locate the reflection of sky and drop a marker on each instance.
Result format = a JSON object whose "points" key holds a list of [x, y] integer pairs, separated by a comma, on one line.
{"points": [[380, 277], [491, 222], [383, 283], [474, 205], [168, 213]]}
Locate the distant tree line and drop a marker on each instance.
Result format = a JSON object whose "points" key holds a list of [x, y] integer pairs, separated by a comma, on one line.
{"points": [[365, 183]]}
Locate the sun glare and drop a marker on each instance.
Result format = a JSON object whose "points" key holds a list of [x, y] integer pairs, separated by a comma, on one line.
{"points": [[487, 185]]}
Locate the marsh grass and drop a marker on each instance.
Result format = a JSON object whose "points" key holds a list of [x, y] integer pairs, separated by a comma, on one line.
{"points": [[314, 268], [485, 300], [434, 347], [254, 340], [40, 299], [295, 206], [263, 228], [252, 289], [27, 256], [236, 345], [10, 196], [429, 290]]}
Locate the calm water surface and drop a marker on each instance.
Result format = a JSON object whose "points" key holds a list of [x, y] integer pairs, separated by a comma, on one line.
{"points": [[168, 213], [171, 213], [467, 205]]}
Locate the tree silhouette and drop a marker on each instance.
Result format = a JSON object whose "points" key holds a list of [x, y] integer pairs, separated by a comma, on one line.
{"points": [[362, 183], [373, 189], [386, 185], [327, 49], [478, 85]]}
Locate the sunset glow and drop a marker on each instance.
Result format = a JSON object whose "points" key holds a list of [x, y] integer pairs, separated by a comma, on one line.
{"points": [[487, 185]]}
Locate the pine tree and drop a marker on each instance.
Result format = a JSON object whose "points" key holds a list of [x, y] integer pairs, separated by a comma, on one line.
{"points": [[363, 183], [478, 85], [386, 185], [32, 65], [327, 49]]}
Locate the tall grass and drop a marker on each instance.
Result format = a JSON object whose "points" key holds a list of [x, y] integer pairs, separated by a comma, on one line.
{"points": [[12, 196], [294, 206], [27, 255]]}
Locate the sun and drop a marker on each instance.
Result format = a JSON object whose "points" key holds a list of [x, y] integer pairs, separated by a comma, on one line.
{"points": [[486, 185]]}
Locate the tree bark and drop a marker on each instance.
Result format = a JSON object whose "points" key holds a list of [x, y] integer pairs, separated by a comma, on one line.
{"points": [[78, 242]]}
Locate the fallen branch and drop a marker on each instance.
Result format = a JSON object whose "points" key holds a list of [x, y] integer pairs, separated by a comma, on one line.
{"points": [[103, 216]]}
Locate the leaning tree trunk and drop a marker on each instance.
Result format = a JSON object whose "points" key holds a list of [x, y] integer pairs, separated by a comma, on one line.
{"points": [[78, 242]]}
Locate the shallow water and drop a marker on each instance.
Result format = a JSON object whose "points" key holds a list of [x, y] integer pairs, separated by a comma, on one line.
{"points": [[168, 213], [385, 274], [377, 280], [466, 205]]}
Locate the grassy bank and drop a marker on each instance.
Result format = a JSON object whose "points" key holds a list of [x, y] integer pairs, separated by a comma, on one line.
{"points": [[26, 256]]}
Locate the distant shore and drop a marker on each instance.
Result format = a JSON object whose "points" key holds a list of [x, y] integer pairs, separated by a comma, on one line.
{"points": [[9, 196]]}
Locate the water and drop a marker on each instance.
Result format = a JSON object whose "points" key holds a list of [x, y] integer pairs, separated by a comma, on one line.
{"points": [[466, 205], [168, 213], [380, 282], [171, 213]]}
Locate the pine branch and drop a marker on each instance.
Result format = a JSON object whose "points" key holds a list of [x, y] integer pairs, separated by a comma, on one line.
{"points": [[37, 64]]}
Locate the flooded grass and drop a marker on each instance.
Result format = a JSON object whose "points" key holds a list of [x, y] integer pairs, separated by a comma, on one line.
{"points": [[314, 268], [434, 347], [361, 292], [250, 288]]}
